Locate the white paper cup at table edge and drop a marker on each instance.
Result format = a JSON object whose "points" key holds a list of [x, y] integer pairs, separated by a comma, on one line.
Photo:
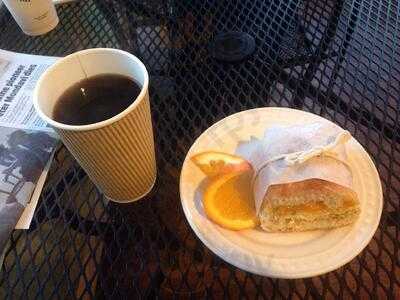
{"points": [[117, 153], [34, 17]]}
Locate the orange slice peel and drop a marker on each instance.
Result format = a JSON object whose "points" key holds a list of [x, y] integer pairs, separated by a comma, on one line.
{"points": [[214, 163], [228, 197]]}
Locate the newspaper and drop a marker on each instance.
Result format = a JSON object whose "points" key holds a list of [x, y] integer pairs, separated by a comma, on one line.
{"points": [[27, 143]]}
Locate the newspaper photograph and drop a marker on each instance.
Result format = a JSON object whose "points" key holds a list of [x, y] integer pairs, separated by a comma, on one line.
{"points": [[23, 157]]}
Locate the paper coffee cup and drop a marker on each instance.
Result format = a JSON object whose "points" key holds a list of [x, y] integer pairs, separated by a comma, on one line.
{"points": [[117, 153], [34, 17]]}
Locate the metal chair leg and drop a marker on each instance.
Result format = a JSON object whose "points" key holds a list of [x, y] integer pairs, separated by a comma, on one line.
{"points": [[354, 15], [328, 36]]}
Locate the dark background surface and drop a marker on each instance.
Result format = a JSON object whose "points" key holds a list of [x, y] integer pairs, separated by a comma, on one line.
{"points": [[338, 59]]}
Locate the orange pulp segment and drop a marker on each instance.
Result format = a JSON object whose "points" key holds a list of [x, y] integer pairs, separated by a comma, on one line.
{"points": [[228, 201]]}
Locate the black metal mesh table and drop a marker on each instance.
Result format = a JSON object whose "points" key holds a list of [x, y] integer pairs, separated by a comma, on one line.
{"points": [[339, 59]]}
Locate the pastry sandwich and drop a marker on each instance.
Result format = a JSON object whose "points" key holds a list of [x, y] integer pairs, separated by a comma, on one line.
{"points": [[303, 180]]}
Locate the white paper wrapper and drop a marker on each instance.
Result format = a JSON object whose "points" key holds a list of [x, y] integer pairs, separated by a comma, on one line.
{"points": [[330, 165]]}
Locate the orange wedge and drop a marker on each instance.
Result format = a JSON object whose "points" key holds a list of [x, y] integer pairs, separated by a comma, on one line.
{"points": [[228, 201], [213, 163]]}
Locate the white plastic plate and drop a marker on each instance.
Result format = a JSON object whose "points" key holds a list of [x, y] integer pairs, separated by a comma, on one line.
{"points": [[282, 255]]}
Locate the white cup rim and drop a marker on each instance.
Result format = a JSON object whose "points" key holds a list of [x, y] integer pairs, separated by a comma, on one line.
{"points": [[100, 124]]}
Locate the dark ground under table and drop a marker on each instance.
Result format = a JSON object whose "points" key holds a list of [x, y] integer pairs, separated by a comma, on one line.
{"points": [[338, 59]]}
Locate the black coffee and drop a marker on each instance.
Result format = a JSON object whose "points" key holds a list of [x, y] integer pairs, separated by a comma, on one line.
{"points": [[95, 99]]}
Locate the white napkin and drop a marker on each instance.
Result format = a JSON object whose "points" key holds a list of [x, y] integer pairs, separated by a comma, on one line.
{"points": [[294, 153]]}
